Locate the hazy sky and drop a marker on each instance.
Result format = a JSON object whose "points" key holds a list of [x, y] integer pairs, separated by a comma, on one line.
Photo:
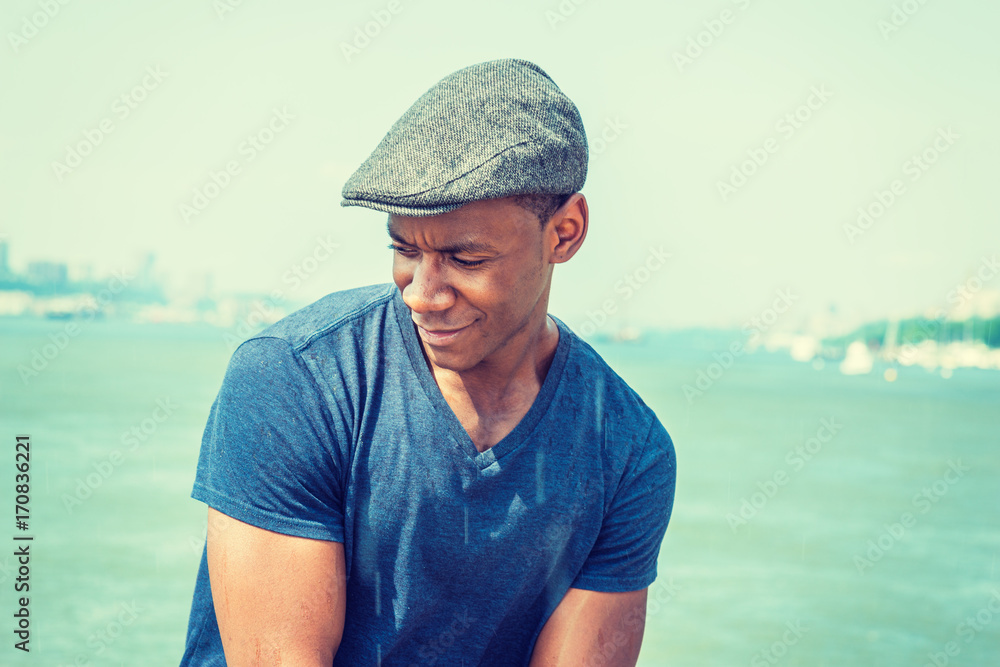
{"points": [[183, 85]]}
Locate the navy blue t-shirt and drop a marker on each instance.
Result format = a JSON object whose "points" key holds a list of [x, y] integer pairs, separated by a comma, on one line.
{"points": [[329, 425]]}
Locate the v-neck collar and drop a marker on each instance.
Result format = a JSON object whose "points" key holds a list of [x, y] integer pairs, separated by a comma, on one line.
{"points": [[520, 433]]}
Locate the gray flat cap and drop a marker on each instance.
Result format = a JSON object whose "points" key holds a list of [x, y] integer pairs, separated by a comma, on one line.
{"points": [[495, 129]]}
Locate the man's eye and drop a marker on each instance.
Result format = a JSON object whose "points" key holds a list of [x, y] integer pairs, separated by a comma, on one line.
{"points": [[405, 252], [468, 263]]}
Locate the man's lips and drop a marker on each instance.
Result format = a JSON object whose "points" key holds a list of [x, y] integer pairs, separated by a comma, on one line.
{"points": [[439, 336]]}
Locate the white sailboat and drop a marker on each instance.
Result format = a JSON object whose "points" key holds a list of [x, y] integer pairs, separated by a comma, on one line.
{"points": [[858, 360]]}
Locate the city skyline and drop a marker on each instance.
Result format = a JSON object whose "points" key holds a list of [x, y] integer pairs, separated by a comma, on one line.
{"points": [[147, 283], [843, 153]]}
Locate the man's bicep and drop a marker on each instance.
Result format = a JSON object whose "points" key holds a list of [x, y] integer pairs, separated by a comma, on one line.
{"points": [[593, 628], [279, 599]]}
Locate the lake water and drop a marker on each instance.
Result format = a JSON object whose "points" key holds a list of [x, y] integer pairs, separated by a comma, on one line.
{"points": [[819, 520]]}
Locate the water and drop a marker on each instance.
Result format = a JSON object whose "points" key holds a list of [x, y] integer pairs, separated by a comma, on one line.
{"points": [[112, 574]]}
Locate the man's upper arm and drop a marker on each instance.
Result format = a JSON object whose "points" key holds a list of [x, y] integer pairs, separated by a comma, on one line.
{"points": [[279, 599], [592, 628], [601, 618], [270, 471]]}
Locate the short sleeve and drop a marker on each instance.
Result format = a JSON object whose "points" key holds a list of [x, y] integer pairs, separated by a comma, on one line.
{"points": [[625, 553], [268, 452]]}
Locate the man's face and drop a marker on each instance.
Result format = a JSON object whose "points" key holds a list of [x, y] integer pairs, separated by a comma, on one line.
{"points": [[476, 280]]}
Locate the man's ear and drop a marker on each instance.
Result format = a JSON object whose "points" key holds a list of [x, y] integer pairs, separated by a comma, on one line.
{"points": [[567, 228]]}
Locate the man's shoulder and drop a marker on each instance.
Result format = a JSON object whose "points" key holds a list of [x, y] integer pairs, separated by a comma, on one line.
{"points": [[330, 314], [595, 397], [586, 368]]}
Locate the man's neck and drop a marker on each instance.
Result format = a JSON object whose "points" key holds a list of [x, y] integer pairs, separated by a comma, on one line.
{"points": [[525, 360], [491, 398]]}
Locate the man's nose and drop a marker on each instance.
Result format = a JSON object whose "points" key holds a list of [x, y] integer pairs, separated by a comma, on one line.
{"points": [[429, 290]]}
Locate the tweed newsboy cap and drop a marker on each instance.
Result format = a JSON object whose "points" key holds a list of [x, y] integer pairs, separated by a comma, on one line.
{"points": [[494, 129]]}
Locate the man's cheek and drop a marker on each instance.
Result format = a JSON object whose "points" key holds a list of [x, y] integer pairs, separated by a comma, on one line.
{"points": [[400, 275]]}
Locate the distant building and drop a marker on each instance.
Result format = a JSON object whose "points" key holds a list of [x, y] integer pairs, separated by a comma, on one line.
{"points": [[47, 274]]}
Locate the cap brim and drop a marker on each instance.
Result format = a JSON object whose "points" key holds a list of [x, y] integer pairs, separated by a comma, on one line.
{"points": [[396, 209]]}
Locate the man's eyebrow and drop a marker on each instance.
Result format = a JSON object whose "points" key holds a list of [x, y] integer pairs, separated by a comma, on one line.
{"points": [[459, 247], [393, 235]]}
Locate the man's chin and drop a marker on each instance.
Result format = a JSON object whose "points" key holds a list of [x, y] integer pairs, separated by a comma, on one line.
{"points": [[449, 359]]}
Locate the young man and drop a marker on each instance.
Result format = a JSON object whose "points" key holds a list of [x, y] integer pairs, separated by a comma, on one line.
{"points": [[438, 472]]}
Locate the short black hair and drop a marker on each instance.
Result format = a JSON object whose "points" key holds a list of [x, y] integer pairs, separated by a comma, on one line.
{"points": [[541, 205]]}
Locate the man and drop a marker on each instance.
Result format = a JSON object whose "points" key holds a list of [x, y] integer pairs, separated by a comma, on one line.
{"points": [[437, 472]]}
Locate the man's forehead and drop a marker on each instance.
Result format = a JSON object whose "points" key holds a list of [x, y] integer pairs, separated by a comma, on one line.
{"points": [[443, 238], [431, 234]]}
